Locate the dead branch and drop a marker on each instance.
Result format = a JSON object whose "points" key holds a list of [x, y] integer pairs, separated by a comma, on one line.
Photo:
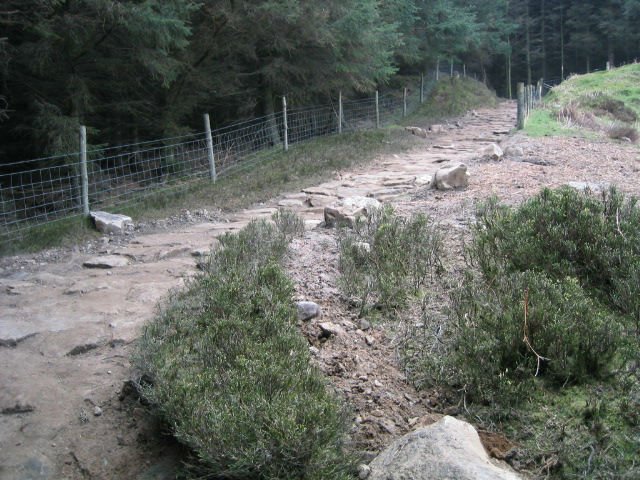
{"points": [[525, 338]]}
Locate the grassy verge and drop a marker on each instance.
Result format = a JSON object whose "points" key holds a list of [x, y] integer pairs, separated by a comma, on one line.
{"points": [[271, 173], [231, 372], [596, 104]]}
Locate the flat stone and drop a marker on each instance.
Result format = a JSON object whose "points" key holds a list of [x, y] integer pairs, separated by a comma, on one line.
{"points": [[108, 261], [109, 222], [290, 202]]}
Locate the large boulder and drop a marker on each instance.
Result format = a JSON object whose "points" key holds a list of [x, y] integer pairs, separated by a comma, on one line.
{"points": [[446, 450], [110, 222], [345, 211], [451, 176]]}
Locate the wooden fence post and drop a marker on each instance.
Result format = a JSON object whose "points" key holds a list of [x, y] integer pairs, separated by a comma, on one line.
{"points": [[83, 171], [377, 111], [212, 162], [404, 102], [286, 127], [340, 113], [520, 91], [464, 70]]}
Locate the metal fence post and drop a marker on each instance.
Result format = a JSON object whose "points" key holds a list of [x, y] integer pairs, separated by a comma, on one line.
{"points": [[422, 88], [404, 102], [437, 69], [212, 162], [464, 70], [83, 171], [377, 111], [451, 67], [520, 90], [286, 127], [340, 113]]}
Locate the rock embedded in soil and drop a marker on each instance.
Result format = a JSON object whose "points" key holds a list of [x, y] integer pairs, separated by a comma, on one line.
{"points": [[308, 310], [107, 261], [328, 329], [344, 211], [447, 449]]}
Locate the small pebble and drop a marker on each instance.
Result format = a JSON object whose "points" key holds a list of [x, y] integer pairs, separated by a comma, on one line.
{"points": [[97, 411]]}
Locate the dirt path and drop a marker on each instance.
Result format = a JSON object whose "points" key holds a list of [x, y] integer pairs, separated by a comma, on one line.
{"points": [[66, 330]]}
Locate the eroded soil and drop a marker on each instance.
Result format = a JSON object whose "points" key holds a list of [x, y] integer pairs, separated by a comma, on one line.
{"points": [[66, 331]]}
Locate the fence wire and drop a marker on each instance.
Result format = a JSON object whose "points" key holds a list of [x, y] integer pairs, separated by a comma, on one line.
{"points": [[41, 191]]}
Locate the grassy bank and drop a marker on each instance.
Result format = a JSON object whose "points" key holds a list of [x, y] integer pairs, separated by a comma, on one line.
{"points": [[264, 175], [603, 103]]}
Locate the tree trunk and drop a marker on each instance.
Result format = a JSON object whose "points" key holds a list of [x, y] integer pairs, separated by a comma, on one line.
{"points": [[528, 44], [543, 21]]}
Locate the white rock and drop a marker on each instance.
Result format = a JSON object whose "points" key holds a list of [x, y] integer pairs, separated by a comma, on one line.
{"points": [[436, 128], [97, 411], [420, 132], [447, 449], [363, 471], [346, 210], [594, 187], [109, 222], [451, 176], [290, 202], [422, 180], [108, 261], [493, 151]]}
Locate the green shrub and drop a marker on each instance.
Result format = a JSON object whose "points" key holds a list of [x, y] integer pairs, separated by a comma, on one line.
{"points": [[565, 336], [565, 233], [386, 257], [572, 259], [232, 373]]}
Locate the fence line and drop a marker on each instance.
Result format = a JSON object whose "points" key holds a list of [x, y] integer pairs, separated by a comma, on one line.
{"points": [[40, 191]]}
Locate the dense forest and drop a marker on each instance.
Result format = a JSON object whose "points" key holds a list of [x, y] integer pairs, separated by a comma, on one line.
{"points": [[140, 69]]}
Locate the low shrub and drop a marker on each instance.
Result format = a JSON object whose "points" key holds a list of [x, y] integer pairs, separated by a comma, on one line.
{"points": [[620, 131], [232, 374], [554, 296], [386, 257]]}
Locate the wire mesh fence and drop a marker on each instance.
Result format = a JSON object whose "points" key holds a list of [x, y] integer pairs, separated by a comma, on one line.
{"points": [[40, 191]]}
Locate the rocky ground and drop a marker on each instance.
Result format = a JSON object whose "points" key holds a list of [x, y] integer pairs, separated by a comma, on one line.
{"points": [[66, 331]]}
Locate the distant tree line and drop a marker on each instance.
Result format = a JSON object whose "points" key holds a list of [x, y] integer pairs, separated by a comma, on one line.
{"points": [[140, 69]]}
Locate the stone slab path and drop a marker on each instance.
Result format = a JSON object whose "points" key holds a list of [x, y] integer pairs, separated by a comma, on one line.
{"points": [[66, 330]]}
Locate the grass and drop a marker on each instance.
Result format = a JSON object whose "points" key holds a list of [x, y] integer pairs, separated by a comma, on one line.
{"points": [[272, 172], [596, 104]]}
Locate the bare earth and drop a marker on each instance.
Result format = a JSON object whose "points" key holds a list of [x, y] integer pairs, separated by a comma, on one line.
{"points": [[66, 331]]}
